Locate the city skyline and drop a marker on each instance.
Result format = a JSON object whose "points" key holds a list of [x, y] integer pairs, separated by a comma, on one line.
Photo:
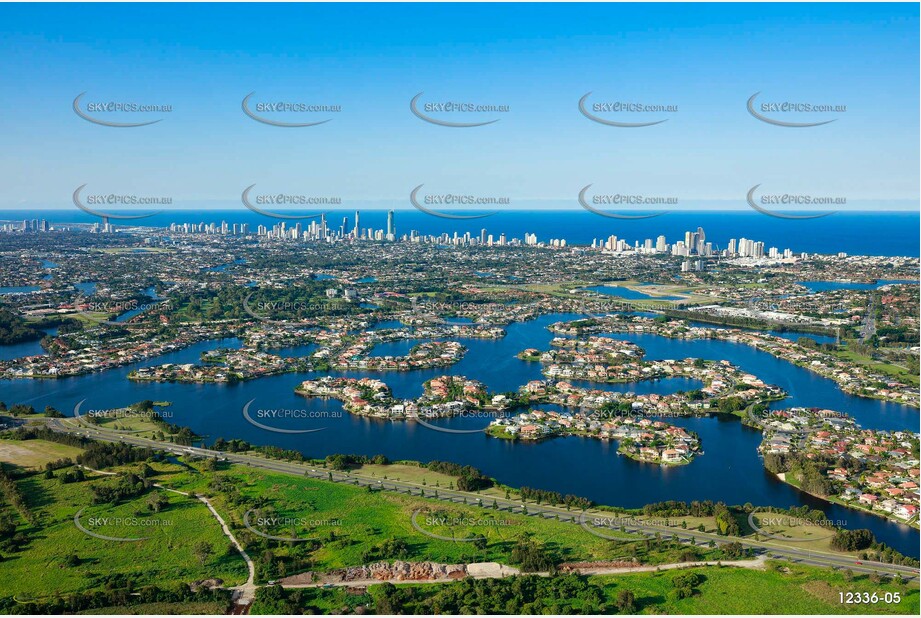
{"points": [[694, 243]]}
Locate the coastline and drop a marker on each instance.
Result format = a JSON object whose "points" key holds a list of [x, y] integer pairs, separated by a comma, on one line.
{"points": [[782, 476]]}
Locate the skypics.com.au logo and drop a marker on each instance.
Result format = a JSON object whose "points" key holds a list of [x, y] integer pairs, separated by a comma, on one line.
{"points": [[99, 311], [283, 528], [99, 112], [286, 114], [445, 113], [770, 111], [92, 201], [270, 419], [283, 313], [486, 416], [445, 527], [430, 203], [256, 202], [615, 113], [787, 200], [620, 200], [792, 528], [113, 523]]}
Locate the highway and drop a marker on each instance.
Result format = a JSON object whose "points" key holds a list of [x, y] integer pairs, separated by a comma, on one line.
{"points": [[770, 548]]}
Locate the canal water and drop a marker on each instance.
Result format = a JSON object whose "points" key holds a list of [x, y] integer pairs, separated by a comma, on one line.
{"points": [[729, 470]]}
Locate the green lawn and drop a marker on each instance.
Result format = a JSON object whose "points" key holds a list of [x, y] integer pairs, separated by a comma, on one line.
{"points": [[895, 371], [783, 589], [348, 522], [129, 421], [153, 609], [43, 568], [408, 473]]}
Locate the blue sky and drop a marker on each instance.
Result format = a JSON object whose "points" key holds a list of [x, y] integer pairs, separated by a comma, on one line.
{"points": [[537, 59]]}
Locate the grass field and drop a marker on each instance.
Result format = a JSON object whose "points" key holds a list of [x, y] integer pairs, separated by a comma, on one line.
{"points": [[564, 290], [804, 537], [155, 609], [347, 525], [139, 426], [896, 371], [408, 473], [412, 472], [796, 530], [35, 453], [783, 589], [351, 522], [45, 565]]}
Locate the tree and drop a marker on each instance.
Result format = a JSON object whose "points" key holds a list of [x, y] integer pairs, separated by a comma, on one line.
{"points": [[626, 602], [733, 550], [203, 551], [530, 556], [687, 580], [852, 540], [387, 601], [726, 523], [156, 502]]}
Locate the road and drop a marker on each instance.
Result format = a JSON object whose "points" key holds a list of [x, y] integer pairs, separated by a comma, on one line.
{"points": [[501, 571], [769, 548], [868, 328]]}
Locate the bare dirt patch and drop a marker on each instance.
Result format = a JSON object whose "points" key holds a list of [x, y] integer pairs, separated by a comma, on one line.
{"points": [[822, 591]]}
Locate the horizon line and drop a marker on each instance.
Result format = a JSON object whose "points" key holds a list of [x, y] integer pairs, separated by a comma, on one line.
{"points": [[164, 209]]}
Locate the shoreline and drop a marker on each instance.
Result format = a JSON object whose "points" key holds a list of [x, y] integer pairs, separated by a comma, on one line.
{"points": [[782, 476]]}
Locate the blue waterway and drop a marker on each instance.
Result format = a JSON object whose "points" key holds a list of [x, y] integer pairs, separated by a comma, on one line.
{"points": [[21, 289], [222, 267], [805, 387], [730, 470], [869, 233], [26, 348], [87, 288], [388, 324], [825, 286], [622, 292]]}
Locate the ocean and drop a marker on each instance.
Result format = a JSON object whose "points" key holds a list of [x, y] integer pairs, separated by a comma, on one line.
{"points": [[887, 233]]}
